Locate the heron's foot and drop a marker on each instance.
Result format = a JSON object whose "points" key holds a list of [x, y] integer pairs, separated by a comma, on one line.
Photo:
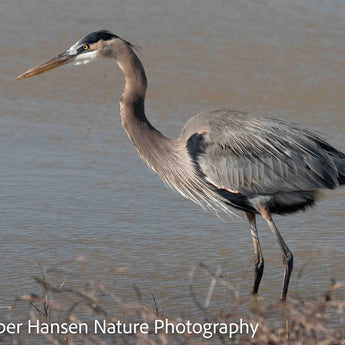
{"points": [[288, 262], [258, 272]]}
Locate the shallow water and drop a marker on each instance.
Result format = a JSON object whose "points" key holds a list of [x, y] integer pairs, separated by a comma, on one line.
{"points": [[75, 196]]}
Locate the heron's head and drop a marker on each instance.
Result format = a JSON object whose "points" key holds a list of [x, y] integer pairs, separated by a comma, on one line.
{"points": [[90, 48]]}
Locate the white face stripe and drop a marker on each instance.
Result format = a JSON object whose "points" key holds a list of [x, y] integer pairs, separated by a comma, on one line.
{"points": [[74, 48], [84, 58]]}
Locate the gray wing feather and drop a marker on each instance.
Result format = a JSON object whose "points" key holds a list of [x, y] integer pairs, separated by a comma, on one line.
{"points": [[247, 154]]}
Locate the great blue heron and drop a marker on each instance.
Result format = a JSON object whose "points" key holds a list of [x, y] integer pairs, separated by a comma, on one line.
{"points": [[223, 158]]}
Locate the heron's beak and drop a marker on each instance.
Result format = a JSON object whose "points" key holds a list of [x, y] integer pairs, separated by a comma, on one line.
{"points": [[57, 61]]}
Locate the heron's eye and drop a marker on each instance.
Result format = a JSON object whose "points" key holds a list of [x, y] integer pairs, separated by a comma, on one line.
{"points": [[85, 47]]}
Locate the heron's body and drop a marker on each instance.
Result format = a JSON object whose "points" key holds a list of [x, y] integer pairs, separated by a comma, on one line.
{"points": [[275, 164], [223, 159]]}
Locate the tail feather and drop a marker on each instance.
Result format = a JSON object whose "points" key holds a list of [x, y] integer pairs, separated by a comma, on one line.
{"points": [[339, 161], [341, 179]]}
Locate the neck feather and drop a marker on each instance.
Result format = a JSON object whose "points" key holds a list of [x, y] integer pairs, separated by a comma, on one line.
{"points": [[150, 143], [168, 158]]}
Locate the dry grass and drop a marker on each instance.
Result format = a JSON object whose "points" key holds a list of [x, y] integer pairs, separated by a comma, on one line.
{"points": [[297, 321]]}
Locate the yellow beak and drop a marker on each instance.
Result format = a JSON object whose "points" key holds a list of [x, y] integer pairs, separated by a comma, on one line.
{"points": [[57, 61]]}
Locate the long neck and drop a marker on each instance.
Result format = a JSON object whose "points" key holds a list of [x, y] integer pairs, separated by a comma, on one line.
{"points": [[150, 143], [168, 158]]}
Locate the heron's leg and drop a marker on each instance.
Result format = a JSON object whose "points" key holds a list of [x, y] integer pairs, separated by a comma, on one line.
{"points": [[287, 255], [258, 259]]}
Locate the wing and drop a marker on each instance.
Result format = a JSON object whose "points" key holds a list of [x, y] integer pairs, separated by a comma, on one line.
{"points": [[249, 155]]}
